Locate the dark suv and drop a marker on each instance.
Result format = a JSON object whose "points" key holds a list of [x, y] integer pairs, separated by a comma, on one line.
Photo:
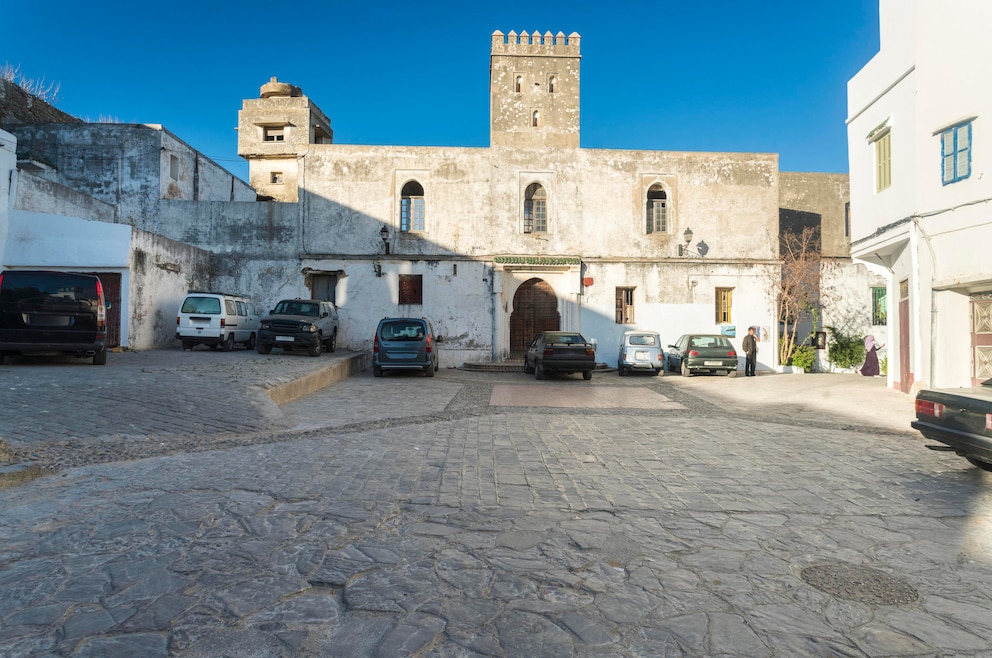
{"points": [[47, 312], [295, 324], [405, 344]]}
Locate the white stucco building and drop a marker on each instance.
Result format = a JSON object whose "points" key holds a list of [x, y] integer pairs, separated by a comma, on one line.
{"points": [[919, 143], [533, 232]]}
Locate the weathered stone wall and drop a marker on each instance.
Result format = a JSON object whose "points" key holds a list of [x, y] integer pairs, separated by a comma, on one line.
{"points": [[826, 195], [161, 271], [37, 194], [534, 90]]}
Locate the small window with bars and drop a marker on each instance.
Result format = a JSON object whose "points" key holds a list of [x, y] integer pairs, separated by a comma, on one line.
{"points": [[273, 133], [724, 303], [879, 306], [625, 306]]}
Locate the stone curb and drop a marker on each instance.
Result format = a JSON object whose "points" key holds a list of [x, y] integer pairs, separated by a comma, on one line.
{"points": [[303, 386]]}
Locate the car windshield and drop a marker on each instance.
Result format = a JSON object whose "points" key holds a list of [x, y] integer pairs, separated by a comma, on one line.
{"points": [[297, 308], [643, 339]]}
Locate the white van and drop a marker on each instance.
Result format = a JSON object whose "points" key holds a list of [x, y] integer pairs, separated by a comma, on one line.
{"points": [[218, 320]]}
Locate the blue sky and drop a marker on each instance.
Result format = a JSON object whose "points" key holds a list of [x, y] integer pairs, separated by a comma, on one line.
{"points": [[723, 75]]}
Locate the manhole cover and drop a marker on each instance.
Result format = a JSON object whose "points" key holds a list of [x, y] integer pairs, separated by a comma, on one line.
{"points": [[862, 584]]}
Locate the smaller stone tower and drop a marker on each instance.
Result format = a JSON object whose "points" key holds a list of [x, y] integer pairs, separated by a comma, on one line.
{"points": [[534, 90], [274, 131]]}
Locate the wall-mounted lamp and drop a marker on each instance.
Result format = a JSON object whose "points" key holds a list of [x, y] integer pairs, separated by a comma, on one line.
{"points": [[384, 234], [685, 252]]}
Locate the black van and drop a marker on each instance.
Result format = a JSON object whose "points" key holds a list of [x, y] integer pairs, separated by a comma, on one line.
{"points": [[46, 312]]}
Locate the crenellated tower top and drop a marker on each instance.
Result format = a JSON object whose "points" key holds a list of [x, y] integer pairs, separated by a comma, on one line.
{"points": [[534, 90], [535, 43]]}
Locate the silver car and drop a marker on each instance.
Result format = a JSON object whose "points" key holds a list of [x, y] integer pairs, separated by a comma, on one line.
{"points": [[641, 351]]}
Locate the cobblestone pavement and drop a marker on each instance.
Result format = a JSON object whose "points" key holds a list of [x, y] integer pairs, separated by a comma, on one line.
{"points": [[406, 516]]}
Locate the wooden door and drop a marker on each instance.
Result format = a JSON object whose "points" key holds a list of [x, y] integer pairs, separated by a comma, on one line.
{"points": [[535, 309], [981, 338]]}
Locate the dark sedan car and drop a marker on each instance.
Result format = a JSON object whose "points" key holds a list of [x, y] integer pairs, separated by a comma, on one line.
{"points": [[959, 418], [560, 351], [695, 353]]}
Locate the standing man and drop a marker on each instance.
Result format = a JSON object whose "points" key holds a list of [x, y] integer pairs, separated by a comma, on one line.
{"points": [[750, 346]]}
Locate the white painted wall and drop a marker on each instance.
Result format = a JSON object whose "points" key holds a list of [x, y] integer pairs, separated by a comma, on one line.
{"points": [[8, 173], [925, 232]]}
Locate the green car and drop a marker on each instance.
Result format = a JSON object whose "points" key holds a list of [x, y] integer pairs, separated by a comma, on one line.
{"points": [[695, 353]]}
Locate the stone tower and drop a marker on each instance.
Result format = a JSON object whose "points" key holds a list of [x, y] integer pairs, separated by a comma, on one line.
{"points": [[534, 90], [274, 131]]}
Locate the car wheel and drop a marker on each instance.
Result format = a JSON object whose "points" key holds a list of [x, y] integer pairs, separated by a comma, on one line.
{"points": [[538, 371], [262, 348], [250, 345], [332, 342], [376, 371], [316, 348], [985, 466], [528, 368], [657, 372], [587, 375], [228, 343], [188, 345], [100, 358], [731, 373], [620, 370], [685, 370], [430, 370]]}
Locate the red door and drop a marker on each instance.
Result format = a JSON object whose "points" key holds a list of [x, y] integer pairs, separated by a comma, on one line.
{"points": [[112, 295], [905, 376]]}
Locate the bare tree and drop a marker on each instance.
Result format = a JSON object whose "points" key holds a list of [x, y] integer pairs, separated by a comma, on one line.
{"points": [[799, 293]]}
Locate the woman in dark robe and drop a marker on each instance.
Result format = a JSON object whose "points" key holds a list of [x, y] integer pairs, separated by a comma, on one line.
{"points": [[870, 368]]}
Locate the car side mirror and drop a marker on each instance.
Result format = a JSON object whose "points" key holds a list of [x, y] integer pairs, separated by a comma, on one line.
{"points": [[439, 339], [324, 314]]}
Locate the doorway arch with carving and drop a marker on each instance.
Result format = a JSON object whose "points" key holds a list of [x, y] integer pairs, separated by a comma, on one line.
{"points": [[535, 309]]}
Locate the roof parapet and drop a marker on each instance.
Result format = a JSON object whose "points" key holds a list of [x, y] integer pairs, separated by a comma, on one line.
{"points": [[535, 43]]}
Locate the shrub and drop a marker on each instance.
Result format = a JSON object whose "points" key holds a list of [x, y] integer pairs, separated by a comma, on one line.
{"points": [[803, 357], [845, 351]]}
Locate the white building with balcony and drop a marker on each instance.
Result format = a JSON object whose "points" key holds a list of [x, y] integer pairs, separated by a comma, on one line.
{"points": [[919, 143]]}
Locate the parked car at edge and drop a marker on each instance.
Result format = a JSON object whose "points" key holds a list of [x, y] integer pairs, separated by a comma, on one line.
{"points": [[961, 419], [695, 353], [640, 351], [299, 324], [560, 352], [405, 344], [216, 319], [49, 312]]}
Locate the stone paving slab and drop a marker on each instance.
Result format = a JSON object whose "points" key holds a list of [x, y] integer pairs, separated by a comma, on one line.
{"points": [[409, 516], [585, 397]]}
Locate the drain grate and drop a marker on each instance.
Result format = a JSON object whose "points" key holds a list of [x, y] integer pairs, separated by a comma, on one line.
{"points": [[858, 583]]}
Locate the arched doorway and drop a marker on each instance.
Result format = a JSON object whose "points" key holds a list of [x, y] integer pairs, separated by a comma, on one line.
{"points": [[535, 309]]}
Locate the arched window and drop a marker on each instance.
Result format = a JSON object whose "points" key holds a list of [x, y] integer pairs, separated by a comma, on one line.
{"points": [[551, 84], [412, 207], [535, 209], [518, 83], [657, 210], [535, 119]]}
